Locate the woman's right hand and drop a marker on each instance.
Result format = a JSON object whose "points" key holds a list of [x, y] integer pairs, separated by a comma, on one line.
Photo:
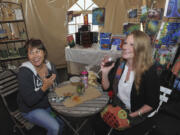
{"points": [[105, 69], [47, 82]]}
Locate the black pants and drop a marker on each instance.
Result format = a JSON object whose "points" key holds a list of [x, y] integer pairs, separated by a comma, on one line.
{"points": [[101, 128]]}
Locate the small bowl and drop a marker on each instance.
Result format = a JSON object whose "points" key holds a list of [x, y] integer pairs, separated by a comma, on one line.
{"points": [[75, 80]]}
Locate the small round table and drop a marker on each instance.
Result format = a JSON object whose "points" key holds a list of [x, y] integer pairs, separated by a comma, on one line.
{"points": [[84, 110]]}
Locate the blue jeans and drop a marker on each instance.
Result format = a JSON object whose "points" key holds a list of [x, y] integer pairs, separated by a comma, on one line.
{"points": [[43, 118]]}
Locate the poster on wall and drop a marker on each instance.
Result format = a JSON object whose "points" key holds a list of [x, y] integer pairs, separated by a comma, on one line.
{"points": [[164, 57], [98, 16], [155, 14], [132, 13], [152, 27], [130, 27], [172, 8], [144, 12]]}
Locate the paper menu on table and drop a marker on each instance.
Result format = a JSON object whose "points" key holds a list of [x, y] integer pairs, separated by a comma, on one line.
{"points": [[90, 93]]}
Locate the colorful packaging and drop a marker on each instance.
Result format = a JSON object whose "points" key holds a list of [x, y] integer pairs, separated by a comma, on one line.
{"points": [[105, 44], [70, 41], [117, 42], [105, 41]]}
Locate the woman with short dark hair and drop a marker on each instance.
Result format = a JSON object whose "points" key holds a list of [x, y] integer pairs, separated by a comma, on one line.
{"points": [[35, 78]]}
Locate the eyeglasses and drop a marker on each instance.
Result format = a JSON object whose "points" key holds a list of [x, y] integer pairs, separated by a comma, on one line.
{"points": [[34, 51]]}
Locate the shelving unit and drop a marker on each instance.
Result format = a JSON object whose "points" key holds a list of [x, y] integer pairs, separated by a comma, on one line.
{"points": [[13, 35]]}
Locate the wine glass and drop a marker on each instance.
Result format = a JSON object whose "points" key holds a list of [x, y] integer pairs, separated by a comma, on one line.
{"points": [[109, 61], [96, 68]]}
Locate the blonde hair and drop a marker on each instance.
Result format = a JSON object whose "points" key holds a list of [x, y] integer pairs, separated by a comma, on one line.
{"points": [[143, 59]]}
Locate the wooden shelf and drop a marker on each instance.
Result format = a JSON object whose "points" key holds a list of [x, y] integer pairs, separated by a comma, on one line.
{"points": [[12, 41], [13, 58], [11, 21]]}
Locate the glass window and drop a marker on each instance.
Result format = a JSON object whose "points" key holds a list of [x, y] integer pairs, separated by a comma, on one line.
{"points": [[83, 7], [71, 29], [80, 19], [75, 7], [88, 4], [81, 3]]}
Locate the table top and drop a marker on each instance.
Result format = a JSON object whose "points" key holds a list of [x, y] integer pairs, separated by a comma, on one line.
{"points": [[92, 55], [87, 108]]}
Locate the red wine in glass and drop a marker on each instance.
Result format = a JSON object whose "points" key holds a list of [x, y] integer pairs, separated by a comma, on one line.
{"points": [[109, 62]]}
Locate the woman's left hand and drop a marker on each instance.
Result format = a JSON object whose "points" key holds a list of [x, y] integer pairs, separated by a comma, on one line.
{"points": [[47, 82]]}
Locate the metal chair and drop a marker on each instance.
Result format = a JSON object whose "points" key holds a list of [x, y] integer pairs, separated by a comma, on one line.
{"points": [[164, 92], [9, 87]]}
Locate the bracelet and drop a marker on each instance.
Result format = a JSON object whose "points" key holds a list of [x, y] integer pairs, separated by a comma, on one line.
{"points": [[139, 113]]}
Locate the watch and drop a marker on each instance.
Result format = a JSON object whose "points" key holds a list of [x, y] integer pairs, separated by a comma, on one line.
{"points": [[139, 113]]}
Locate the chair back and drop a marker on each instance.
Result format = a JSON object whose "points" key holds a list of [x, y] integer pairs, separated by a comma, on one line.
{"points": [[8, 93], [9, 89]]}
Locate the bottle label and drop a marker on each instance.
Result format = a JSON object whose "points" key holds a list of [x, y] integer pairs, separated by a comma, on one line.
{"points": [[85, 81]]}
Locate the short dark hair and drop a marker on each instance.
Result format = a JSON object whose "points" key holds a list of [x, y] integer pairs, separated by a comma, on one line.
{"points": [[36, 43]]}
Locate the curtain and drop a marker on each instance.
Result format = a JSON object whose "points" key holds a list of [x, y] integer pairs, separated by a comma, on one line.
{"points": [[46, 19], [101, 3]]}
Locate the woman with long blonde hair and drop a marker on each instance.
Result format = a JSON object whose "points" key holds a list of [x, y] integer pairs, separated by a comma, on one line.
{"points": [[133, 80]]}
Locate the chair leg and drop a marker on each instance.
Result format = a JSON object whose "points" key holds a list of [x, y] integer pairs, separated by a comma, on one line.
{"points": [[109, 133], [19, 128]]}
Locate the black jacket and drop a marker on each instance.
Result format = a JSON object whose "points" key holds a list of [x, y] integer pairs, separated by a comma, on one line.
{"points": [[30, 95], [149, 88]]}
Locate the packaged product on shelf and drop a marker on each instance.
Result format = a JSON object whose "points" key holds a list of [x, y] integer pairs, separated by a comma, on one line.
{"points": [[18, 14], [70, 40], [117, 42], [22, 51], [3, 34], [3, 53], [105, 41], [8, 12], [105, 44]]}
